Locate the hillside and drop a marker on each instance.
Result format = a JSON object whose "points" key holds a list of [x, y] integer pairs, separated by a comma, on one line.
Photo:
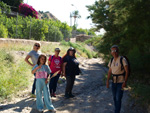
{"points": [[46, 15]]}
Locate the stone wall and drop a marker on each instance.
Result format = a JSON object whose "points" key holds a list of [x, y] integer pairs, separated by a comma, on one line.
{"points": [[24, 41], [82, 37]]}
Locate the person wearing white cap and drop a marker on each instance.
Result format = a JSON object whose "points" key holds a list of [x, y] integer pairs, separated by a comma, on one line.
{"points": [[118, 68], [55, 64]]}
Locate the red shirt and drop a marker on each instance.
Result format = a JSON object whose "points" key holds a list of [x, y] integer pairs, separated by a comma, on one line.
{"points": [[55, 64]]}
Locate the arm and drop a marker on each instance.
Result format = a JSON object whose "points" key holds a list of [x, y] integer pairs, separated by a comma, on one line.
{"points": [[27, 60], [34, 70], [126, 76], [49, 63], [108, 77], [63, 68]]}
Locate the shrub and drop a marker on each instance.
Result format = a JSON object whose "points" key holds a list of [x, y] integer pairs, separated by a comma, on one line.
{"points": [[3, 31], [27, 10]]}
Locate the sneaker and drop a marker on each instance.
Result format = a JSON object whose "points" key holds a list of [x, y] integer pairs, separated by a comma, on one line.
{"points": [[40, 110], [71, 95], [67, 96], [52, 110], [33, 96]]}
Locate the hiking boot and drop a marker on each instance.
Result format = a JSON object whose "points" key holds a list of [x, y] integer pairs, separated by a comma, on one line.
{"points": [[33, 96]]}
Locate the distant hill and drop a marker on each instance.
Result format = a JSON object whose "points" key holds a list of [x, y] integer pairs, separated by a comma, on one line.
{"points": [[46, 15]]}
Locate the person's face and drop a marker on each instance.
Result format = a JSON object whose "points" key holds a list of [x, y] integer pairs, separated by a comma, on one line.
{"points": [[36, 46], [114, 52], [57, 52], [71, 53], [42, 60]]}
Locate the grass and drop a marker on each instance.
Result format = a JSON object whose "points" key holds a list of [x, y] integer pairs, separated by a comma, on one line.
{"points": [[81, 48], [15, 73], [14, 76]]}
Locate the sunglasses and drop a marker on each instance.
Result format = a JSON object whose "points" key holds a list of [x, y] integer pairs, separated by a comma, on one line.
{"points": [[57, 51], [113, 51], [37, 45]]}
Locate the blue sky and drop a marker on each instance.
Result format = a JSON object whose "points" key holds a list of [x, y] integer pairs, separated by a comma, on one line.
{"points": [[62, 8]]}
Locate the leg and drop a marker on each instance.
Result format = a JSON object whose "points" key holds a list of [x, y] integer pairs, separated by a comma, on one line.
{"points": [[72, 83], [68, 86], [56, 78], [47, 98], [51, 84], [119, 95], [34, 86], [114, 94], [39, 88]]}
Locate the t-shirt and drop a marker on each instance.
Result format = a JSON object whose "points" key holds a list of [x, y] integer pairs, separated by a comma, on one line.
{"points": [[34, 56], [42, 72], [116, 69], [55, 64], [72, 67]]}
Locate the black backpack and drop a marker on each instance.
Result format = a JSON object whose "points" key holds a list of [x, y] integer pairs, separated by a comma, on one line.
{"points": [[122, 67]]}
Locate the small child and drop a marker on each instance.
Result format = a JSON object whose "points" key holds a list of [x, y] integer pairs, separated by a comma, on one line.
{"points": [[42, 70]]}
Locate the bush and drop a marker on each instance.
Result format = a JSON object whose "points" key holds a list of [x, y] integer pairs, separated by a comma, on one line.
{"points": [[27, 10], [3, 31], [13, 75]]}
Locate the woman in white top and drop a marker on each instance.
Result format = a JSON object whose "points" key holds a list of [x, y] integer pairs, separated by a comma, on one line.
{"points": [[34, 54]]}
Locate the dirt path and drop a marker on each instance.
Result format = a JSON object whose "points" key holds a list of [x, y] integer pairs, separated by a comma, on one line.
{"points": [[90, 90]]}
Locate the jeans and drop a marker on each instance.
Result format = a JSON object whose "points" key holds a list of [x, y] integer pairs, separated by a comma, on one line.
{"points": [[34, 85], [41, 86], [70, 83], [117, 96], [53, 83]]}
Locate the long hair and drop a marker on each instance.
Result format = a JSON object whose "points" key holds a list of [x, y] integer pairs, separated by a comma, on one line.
{"points": [[42, 55], [67, 54]]}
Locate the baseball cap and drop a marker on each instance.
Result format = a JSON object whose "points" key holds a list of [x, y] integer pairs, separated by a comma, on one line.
{"points": [[57, 49]]}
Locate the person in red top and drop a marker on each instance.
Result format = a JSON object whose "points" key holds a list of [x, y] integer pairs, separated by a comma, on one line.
{"points": [[55, 64]]}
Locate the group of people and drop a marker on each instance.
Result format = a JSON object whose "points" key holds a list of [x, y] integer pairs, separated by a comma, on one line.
{"points": [[67, 66]]}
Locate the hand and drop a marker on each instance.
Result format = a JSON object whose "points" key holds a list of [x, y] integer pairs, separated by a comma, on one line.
{"points": [[107, 84], [33, 65], [39, 66], [64, 74], [46, 81], [123, 85]]}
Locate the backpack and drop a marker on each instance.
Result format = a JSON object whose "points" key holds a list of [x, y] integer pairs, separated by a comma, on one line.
{"points": [[53, 56], [122, 67]]}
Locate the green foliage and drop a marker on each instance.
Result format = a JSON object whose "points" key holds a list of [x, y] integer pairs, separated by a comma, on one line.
{"points": [[13, 75], [86, 31], [127, 26], [3, 31], [94, 41], [4, 7], [29, 27], [81, 47], [14, 3]]}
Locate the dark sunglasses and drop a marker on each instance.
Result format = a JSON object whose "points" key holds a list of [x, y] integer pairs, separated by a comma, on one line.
{"points": [[37, 45]]}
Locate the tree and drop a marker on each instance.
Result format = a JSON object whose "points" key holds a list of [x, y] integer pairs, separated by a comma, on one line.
{"points": [[13, 3], [75, 15]]}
